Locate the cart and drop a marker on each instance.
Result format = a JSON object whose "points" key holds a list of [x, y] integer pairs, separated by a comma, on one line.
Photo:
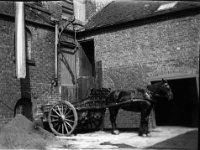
{"points": [[64, 117]]}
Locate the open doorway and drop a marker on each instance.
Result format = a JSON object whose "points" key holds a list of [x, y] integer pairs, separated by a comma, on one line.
{"points": [[87, 58], [86, 75], [183, 109]]}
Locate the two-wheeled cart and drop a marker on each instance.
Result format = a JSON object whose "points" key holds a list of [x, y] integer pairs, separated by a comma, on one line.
{"points": [[64, 117]]}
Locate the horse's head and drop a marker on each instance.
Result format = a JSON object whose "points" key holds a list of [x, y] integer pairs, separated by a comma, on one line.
{"points": [[161, 89]]}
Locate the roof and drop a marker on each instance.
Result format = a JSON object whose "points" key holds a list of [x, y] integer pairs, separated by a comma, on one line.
{"points": [[122, 11], [33, 13]]}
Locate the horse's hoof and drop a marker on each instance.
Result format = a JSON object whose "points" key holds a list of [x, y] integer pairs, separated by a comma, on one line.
{"points": [[115, 132], [140, 134], [148, 135]]}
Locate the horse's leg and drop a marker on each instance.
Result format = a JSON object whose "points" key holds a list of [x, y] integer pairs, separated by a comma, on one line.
{"points": [[146, 124], [145, 112], [113, 116], [142, 122], [102, 123]]}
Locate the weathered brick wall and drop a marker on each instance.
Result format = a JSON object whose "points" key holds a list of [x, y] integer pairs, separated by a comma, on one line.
{"points": [[136, 54], [37, 85], [9, 86], [42, 74], [130, 57]]}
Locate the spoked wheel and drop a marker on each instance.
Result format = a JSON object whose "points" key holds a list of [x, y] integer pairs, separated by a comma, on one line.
{"points": [[95, 120], [94, 124], [62, 118]]}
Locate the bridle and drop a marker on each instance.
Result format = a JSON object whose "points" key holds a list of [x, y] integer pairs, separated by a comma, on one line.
{"points": [[157, 94]]}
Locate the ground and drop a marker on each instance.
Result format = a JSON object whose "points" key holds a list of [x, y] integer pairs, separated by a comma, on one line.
{"points": [[163, 137]]}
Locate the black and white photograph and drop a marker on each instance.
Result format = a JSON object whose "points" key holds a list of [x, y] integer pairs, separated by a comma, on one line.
{"points": [[99, 75]]}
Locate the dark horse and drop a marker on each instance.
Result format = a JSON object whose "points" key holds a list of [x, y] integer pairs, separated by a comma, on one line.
{"points": [[138, 100]]}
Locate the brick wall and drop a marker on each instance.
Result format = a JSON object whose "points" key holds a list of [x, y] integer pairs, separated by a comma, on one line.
{"points": [[40, 72], [131, 56], [9, 86]]}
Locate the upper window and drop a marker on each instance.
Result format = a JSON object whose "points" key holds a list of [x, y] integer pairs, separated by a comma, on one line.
{"points": [[28, 44]]}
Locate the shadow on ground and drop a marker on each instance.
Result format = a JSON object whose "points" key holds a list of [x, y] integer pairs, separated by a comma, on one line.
{"points": [[187, 141], [107, 130], [120, 145]]}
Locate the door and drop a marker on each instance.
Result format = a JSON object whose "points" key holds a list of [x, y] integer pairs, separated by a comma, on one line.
{"points": [[68, 74]]}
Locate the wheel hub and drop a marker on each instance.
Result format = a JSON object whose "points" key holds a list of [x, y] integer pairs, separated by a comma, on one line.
{"points": [[62, 117]]}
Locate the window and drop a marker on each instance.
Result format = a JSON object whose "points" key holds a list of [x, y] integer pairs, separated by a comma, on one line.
{"points": [[28, 40]]}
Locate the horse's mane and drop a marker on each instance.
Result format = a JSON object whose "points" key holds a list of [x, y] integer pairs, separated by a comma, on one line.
{"points": [[153, 87]]}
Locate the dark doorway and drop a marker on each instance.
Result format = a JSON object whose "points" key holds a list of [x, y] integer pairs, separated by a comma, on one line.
{"points": [[24, 107], [88, 57], [183, 109], [86, 76]]}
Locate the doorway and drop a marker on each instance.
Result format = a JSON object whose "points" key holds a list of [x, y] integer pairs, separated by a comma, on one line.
{"points": [[183, 109], [86, 75]]}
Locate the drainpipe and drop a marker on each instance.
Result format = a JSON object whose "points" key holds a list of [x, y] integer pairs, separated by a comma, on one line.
{"points": [[58, 31], [55, 82], [20, 41]]}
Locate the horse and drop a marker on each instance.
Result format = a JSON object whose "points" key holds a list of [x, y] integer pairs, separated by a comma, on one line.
{"points": [[138, 100]]}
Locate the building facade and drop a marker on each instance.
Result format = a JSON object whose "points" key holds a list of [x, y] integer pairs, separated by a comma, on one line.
{"points": [[27, 95], [119, 55], [137, 52]]}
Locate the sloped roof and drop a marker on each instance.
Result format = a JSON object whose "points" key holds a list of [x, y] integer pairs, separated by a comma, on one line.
{"points": [[32, 12], [121, 11]]}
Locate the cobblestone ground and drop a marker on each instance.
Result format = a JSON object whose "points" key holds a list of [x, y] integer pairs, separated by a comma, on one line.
{"points": [[162, 138]]}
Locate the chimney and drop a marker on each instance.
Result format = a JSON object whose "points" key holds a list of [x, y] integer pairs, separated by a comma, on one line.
{"points": [[79, 10]]}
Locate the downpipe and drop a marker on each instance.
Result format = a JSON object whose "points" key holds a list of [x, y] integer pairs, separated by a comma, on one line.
{"points": [[55, 80], [20, 41], [58, 31]]}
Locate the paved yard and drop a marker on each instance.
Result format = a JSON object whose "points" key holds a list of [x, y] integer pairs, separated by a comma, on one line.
{"points": [[165, 138]]}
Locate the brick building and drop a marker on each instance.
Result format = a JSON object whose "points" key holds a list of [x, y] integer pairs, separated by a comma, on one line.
{"points": [[135, 43], [123, 45], [37, 88]]}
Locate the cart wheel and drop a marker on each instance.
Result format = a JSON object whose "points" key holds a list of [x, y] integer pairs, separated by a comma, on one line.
{"points": [[62, 118], [95, 120]]}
